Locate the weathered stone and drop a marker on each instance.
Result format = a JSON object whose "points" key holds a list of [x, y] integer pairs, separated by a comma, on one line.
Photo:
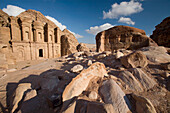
{"points": [[92, 95], [165, 74], [113, 94], [78, 54], [166, 66], [143, 78], [11, 70], [77, 68], [119, 37], [130, 81], [82, 47], [68, 43], [30, 94], [119, 54], [156, 54], [94, 107], [133, 60], [18, 95], [79, 58], [89, 62], [3, 61], [143, 105], [33, 37], [81, 81], [107, 53], [49, 83], [100, 56], [161, 34]]}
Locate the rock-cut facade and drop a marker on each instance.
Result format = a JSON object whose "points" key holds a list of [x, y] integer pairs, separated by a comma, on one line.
{"points": [[31, 36]]}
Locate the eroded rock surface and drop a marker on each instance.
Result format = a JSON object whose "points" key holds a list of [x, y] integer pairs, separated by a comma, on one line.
{"points": [[143, 105], [156, 54], [133, 60], [120, 37], [82, 47], [81, 81], [161, 35], [113, 94]]}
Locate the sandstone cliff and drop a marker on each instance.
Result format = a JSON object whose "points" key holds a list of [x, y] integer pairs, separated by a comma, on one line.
{"points": [[120, 37], [69, 43], [161, 35]]}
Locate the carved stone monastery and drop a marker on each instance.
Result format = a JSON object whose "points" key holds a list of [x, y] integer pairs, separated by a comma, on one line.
{"points": [[31, 36]]}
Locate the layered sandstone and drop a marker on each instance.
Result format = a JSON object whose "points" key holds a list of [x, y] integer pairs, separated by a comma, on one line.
{"points": [[31, 36], [120, 37], [161, 35], [69, 43], [81, 81]]}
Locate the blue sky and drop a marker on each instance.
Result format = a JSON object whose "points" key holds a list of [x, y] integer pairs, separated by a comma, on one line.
{"points": [[87, 17]]}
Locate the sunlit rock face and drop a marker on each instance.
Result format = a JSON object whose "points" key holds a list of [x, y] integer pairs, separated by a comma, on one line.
{"points": [[120, 37]]}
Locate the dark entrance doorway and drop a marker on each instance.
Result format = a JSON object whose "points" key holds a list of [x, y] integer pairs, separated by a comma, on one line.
{"points": [[40, 52]]}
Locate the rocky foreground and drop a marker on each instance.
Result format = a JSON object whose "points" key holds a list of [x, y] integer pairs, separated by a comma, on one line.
{"points": [[91, 82]]}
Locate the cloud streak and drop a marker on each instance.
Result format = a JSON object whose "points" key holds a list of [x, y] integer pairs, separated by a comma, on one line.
{"points": [[62, 27], [96, 29], [126, 20], [123, 9], [12, 10]]}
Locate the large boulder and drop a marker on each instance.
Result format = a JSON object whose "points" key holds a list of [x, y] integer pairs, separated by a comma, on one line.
{"points": [[130, 81], [81, 81], [82, 47], [69, 43], [113, 94], [137, 80], [84, 106], [18, 95], [77, 68], [143, 105], [119, 37], [133, 60], [161, 35], [146, 81], [156, 54]]}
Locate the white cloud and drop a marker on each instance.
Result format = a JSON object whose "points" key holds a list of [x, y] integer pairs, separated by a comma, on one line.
{"points": [[126, 20], [96, 29], [62, 27], [123, 9], [12, 10], [76, 35]]}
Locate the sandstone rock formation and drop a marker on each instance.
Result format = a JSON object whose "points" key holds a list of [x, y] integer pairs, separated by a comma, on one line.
{"points": [[112, 94], [68, 43], [131, 83], [96, 88], [18, 95], [143, 105], [31, 36], [82, 47], [137, 80], [161, 35], [77, 68], [133, 60], [156, 54], [82, 80], [120, 37]]}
